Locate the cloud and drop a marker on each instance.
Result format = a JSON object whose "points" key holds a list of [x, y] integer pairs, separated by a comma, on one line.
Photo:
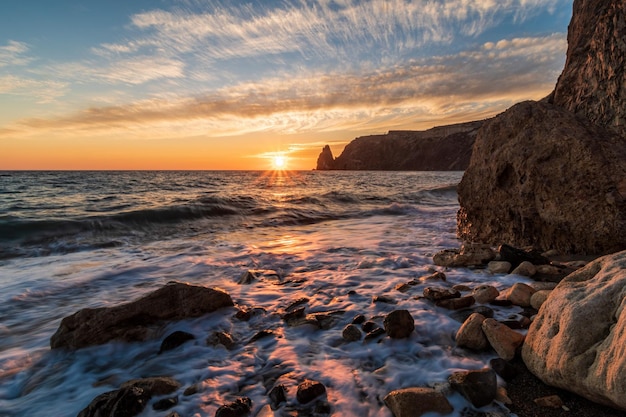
{"points": [[13, 54], [45, 91], [471, 84]]}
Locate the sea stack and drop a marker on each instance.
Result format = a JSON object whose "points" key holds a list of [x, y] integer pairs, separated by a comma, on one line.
{"points": [[552, 174]]}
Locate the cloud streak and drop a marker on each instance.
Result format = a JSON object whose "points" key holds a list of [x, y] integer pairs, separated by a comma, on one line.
{"points": [[471, 83]]}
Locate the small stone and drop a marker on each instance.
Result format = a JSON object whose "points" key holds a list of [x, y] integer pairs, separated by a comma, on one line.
{"points": [[221, 338], [502, 339], [456, 303], [399, 324], [296, 304], [383, 299], [503, 368], [277, 395], [461, 288], [175, 339], [519, 294], [440, 293], [247, 278], [548, 270], [525, 269], [551, 401], [165, 404], [262, 335], [294, 317], [375, 333], [191, 390], [484, 294], [479, 387], [471, 335], [309, 390], [463, 314], [403, 287], [499, 267], [358, 319], [516, 256], [239, 408], [368, 326], [351, 333], [415, 402], [538, 298], [437, 276]]}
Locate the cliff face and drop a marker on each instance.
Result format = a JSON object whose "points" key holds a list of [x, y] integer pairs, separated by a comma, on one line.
{"points": [[446, 148], [553, 174], [593, 83]]}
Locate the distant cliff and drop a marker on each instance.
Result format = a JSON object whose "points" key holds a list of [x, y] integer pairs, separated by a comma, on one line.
{"points": [[444, 148]]}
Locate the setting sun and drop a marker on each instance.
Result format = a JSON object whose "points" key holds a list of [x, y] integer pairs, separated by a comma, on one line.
{"points": [[279, 162]]}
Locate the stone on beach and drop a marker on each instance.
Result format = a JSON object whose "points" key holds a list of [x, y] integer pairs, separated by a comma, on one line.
{"points": [[577, 340], [519, 294], [351, 333], [309, 390], [538, 298], [130, 399], [502, 339], [415, 402], [478, 387], [499, 267], [175, 339], [470, 254], [456, 303], [239, 408], [440, 293], [470, 334], [399, 324], [131, 322], [484, 294], [525, 269]]}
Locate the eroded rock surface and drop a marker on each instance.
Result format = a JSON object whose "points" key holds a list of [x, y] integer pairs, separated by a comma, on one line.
{"points": [[577, 340]]}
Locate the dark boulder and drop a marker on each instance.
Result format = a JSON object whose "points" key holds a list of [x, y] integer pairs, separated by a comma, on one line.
{"points": [[135, 321]]}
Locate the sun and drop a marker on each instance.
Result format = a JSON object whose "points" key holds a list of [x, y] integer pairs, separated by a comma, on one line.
{"points": [[279, 162]]}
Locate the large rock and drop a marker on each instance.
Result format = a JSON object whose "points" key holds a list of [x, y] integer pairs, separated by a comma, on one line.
{"points": [[326, 160], [414, 402], [541, 176], [577, 340], [132, 321], [399, 324], [593, 82]]}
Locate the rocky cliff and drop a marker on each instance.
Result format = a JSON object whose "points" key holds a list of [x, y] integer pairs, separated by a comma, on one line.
{"points": [[593, 82], [444, 148], [553, 174]]}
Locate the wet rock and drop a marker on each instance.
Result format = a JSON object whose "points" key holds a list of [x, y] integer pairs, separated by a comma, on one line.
{"points": [[440, 293], [516, 256], [548, 270], [484, 294], [375, 333], [519, 294], [415, 402], [499, 267], [277, 396], [456, 303], [551, 401], [221, 338], [191, 390], [165, 404], [461, 287], [471, 335], [174, 340], [247, 314], [399, 324], [436, 276], [351, 333], [538, 298], [294, 317], [263, 334], [525, 269], [503, 368], [131, 322], [326, 320], [463, 314], [296, 304], [517, 322], [577, 340], [470, 254], [309, 390], [358, 319], [130, 399], [478, 387], [239, 408], [502, 339], [368, 326], [247, 278], [383, 299]]}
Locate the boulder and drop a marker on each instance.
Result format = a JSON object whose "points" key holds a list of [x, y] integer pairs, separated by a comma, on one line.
{"points": [[484, 294], [499, 267], [519, 294], [516, 256], [414, 402], [478, 387], [470, 334], [238, 408], [326, 160], [130, 399], [502, 339], [539, 175], [175, 339], [577, 340], [456, 303], [440, 293], [351, 333], [470, 254], [132, 321], [309, 390], [538, 298], [399, 324], [592, 82], [525, 269]]}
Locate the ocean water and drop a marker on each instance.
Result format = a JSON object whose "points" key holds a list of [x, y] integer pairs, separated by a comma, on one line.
{"points": [[70, 240]]}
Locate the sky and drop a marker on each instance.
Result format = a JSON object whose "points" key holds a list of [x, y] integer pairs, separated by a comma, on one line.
{"points": [[216, 84]]}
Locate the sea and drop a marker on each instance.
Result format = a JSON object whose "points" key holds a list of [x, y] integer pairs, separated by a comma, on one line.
{"points": [[335, 240]]}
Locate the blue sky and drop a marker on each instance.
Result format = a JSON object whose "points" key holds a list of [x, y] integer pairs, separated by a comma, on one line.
{"points": [[244, 80]]}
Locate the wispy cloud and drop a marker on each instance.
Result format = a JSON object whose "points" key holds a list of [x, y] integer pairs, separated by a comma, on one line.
{"points": [[469, 84], [14, 53]]}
